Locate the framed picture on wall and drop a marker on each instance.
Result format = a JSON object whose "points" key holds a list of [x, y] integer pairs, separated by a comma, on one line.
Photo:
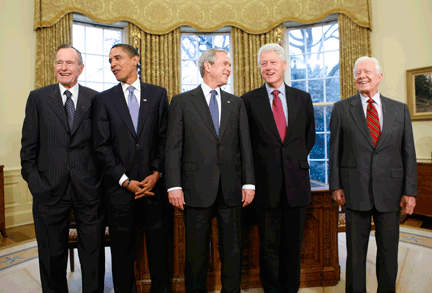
{"points": [[419, 90]]}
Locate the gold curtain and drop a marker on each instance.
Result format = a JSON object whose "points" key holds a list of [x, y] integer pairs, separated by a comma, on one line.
{"points": [[160, 57], [245, 48], [162, 16], [354, 42], [47, 41]]}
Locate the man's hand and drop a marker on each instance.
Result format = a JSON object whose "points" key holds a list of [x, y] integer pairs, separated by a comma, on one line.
{"points": [[407, 204], [176, 198], [247, 196], [147, 185], [339, 196], [134, 186]]}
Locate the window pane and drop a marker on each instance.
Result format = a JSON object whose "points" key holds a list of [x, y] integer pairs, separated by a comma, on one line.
{"points": [[298, 67], [97, 86], [331, 64], [188, 47], [328, 116], [332, 90], [94, 70], [317, 170], [189, 72], [221, 42], [78, 40], [296, 43], [314, 39], [301, 85], [316, 89], [94, 40], [204, 43], [111, 37], [108, 75], [331, 37], [315, 65], [319, 118], [318, 151]]}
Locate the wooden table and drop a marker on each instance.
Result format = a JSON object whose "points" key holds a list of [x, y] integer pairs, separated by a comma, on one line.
{"points": [[319, 259], [2, 209]]}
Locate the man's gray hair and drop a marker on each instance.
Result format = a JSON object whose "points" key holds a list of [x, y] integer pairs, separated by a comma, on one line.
{"points": [[66, 46], [366, 58], [210, 57], [272, 47]]}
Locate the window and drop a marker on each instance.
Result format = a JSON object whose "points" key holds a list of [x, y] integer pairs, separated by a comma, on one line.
{"points": [[192, 46], [313, 57], [94, 41]]}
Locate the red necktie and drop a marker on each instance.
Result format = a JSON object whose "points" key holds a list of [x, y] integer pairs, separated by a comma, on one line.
{"points": [[279, 115], [373, 122]]}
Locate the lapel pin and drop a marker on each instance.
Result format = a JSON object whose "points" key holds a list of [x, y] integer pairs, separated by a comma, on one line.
{"points": [[229, 102], [145, 100]]}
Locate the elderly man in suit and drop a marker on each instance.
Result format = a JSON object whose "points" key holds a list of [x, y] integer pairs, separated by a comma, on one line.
{"points": [[58, 163], [373, 173], [209, 170], [282, 128], [129, 133]]}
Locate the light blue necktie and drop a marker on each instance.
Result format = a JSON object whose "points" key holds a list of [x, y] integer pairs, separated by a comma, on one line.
{"points": [[70, 109], [214, 110], [133, 107]]}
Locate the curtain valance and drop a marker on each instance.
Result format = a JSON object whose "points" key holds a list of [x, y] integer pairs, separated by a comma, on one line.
{"points": [[162, 16]]}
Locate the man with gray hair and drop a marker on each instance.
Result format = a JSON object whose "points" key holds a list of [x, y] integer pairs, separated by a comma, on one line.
{"points": [[373, 172], [59, 164], [209, 170], [282, 128]]}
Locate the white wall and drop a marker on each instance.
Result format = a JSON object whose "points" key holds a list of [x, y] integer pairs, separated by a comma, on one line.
{"points": [[17, 60], [401, 40]]}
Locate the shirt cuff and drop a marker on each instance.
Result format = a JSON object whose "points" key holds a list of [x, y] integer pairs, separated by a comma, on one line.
{"points": [[248, 186], [173, 188], [123, 179]]}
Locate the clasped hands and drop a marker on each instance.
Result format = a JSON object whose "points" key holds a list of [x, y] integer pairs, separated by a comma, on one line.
{"points": [[142, 188]]}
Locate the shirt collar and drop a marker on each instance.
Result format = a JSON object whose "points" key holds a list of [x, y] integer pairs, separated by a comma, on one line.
{"points": [[206, 89], [74, 90], [376, 98], [136, 84], [281, 89]]}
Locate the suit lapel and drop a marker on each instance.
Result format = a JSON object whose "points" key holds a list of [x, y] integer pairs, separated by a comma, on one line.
{"points": [[200, 103], [388, 118], [56, 105], [263, 104], [120, 103], [293, 110], [359, 118], [144, 107], [83, 105], [226, 111]]}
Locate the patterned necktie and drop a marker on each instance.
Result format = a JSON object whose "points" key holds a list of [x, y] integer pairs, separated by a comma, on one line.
{"points": [[373, 122], [279, 115], [214, 110], [133, 107], [70, 109]]}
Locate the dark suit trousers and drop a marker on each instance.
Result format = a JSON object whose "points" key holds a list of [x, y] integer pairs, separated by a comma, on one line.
{"points": [[358, 226], [281, 234], [198, 228], [123, 212], [52, 234]]}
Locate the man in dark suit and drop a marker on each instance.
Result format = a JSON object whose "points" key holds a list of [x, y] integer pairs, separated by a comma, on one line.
{"points": [[282, 127], [209, 170], [373, 172], [130, 133], [58, 163]]}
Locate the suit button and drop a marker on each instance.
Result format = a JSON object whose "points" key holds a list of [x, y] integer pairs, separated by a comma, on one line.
{"points": [[67, 167]]}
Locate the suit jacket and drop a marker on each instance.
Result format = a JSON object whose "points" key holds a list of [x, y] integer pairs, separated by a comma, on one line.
{"points": [[197, 159], [353, 159], [50, 153], [120, 149], [281, 166]]}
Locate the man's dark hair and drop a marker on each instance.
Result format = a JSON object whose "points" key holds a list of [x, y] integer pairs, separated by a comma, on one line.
{"points": [[130, 50]]}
